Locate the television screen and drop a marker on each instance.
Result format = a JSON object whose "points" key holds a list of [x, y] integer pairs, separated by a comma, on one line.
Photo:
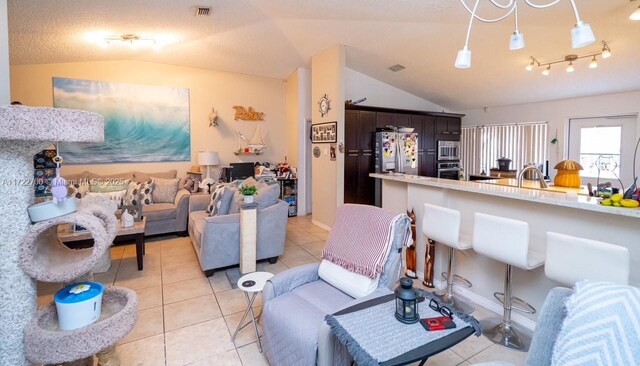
{"points": [[242, 170]]}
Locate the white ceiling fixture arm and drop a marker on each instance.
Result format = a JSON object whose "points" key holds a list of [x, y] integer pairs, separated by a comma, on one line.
{"points": [[510, 4], [531, 4], [474, 15]]}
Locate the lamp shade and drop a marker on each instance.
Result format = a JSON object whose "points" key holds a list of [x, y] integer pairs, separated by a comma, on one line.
{"points": [[582, 35], [517, 41], [208, 158], [635, 15], [463, 61]]}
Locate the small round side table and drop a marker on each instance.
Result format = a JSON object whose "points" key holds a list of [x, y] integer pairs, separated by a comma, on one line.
{"points": [[252, 282]]}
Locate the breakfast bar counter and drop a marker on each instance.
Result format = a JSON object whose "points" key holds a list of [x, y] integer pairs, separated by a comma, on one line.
{"points": [[544, 210]]}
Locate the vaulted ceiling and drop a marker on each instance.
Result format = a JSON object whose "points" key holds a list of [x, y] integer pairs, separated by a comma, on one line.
{"points": [[273, 37]]}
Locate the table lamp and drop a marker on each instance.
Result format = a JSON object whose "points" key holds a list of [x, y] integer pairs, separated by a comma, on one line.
{"points": [[208, 159]]}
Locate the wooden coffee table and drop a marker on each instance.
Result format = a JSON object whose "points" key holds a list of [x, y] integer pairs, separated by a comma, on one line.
{"points": [[83, 239]]}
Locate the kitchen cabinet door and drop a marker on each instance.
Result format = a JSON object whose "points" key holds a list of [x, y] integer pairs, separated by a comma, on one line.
{"points": [[384, 119], [366, 184], [402, 119], [351, 130], [430, 165], [351, 177], [417, 122], [428, 138], [442, 126], [454, 126], [366, 131]]}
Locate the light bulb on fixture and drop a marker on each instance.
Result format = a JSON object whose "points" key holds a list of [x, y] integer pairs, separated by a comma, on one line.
{"points": [[463, 60], [593, 64], [606, 52], [570, 68], [547, 70], [635, 15], [531, 65]]}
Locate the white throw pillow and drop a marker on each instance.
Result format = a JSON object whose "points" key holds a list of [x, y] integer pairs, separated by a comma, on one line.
{"points": [[117, 196], [353, 284]]}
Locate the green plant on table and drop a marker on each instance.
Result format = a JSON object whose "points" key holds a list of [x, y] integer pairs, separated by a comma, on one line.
{"points": [[248, 190]]}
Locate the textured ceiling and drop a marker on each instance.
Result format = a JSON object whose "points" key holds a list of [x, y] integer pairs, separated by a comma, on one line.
{"points": [[271, 38]]}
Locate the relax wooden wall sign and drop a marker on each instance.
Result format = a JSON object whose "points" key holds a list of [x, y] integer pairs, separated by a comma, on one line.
{"points": [[249, 114]]}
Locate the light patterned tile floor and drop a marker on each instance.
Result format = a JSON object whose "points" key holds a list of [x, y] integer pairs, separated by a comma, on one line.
{"points": [[186, 319]]}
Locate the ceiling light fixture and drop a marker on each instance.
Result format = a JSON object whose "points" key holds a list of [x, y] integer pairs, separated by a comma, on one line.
{"points": [[570, 59], [581, 33], [132, 40], [636, 14]]}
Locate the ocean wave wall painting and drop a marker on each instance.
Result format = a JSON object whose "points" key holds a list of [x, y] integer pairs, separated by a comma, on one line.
{"points": [[141, 123]]}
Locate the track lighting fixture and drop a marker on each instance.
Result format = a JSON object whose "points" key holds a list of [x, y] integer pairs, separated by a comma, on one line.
{"points": [[570, 59], [636, 14], [581, 34]]}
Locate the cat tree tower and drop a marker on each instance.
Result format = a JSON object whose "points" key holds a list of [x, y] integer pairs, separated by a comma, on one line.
{"points": [[33, 252]]}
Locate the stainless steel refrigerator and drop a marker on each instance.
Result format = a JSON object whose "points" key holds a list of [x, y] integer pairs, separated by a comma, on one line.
{"points": [[395, 152]]}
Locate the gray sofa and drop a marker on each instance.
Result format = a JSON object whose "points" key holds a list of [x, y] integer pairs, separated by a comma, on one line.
{"points": [[162, 218], [296, 301], [216, 239]]}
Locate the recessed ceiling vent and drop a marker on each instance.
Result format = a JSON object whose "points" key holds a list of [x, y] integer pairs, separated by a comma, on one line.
{"points": [[396, 68], [201, 11]]}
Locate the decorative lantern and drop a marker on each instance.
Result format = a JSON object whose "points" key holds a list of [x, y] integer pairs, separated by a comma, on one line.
{"points": [[406, 302]]}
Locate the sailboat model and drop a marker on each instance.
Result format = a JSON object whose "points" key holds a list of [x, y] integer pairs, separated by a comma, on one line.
{"points": [[256, 142]]}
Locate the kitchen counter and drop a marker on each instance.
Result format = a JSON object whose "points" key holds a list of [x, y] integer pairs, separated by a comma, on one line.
{"points": [[508, 190], [544, 211], [534, 184]]}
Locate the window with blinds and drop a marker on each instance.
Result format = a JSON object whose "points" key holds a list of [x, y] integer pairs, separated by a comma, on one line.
{"points": [[520, 142]]}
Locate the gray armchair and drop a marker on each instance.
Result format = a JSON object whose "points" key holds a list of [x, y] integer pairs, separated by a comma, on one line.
{"points": [[216, 239], [296, 301]]}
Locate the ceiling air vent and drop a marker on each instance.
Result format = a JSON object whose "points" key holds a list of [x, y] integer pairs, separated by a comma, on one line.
{"points": [[201, 11], [396, 68]]}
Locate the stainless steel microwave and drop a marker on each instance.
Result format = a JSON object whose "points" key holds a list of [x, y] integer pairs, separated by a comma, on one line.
{"points": [[448, 150]]}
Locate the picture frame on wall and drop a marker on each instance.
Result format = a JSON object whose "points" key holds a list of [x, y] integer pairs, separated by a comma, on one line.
{"points": [[324, 133], [135, 211]]}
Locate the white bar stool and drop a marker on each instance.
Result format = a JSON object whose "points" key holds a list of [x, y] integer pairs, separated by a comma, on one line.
{"points": [[571, 259], [442, 225], [507, 241]]}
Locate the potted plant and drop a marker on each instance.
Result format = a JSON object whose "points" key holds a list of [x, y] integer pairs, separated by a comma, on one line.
{"points": [[248, 192]]}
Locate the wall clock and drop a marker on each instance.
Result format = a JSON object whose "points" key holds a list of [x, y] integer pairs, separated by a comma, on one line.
{"points": [[323, 103]]}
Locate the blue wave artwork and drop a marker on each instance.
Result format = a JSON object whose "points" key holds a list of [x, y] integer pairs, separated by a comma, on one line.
{"points": [[141, 123]]}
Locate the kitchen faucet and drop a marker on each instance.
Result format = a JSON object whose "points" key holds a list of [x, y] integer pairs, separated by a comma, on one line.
{"points": [[543, 184]]}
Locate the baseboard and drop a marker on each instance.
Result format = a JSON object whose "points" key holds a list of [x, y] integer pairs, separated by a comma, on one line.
{"points": [[321, 225], [485, 303]]}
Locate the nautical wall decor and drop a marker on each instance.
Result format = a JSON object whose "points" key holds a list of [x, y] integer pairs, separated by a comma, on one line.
{"points": [[247, 114]]}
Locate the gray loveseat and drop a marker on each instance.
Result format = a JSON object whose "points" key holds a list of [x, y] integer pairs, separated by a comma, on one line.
{"points": [[216, 239], [162, 218]]}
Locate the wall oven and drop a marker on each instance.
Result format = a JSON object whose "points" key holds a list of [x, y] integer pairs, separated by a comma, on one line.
{"points": [[449, 170], [448, 150]]}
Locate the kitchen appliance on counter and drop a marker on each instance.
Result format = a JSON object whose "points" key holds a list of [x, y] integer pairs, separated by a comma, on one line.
{"points": [[504, 164], [394, 152], [449, 170], [448, 150]]}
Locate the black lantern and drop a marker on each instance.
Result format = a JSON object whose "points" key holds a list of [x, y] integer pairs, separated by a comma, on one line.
{"points": [[406, 302]]}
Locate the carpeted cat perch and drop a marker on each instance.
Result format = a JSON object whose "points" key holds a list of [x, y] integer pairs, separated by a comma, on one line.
{"points": [[27, 334]]}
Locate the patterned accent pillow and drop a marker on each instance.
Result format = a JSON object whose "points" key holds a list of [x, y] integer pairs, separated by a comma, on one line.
{"points": [[139, 192], [109, 185], [220, 200], [601, 326], [77, 190], [116, 197], [164, 190]]}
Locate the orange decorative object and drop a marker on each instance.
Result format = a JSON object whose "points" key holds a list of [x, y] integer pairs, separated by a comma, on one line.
{"points": [[568, 174]]}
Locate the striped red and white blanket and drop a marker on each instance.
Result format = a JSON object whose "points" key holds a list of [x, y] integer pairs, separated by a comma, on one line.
{"points": [[360, 238]]}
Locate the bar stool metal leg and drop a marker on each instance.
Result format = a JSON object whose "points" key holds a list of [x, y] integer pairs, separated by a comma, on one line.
{"points": [[507, 333], [448, 296]]}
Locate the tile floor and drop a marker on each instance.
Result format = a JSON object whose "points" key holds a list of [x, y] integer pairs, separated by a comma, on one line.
{"points": [[187, 319]]}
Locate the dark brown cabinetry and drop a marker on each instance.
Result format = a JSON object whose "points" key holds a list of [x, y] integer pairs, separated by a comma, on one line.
{"points": [[360, 125]]}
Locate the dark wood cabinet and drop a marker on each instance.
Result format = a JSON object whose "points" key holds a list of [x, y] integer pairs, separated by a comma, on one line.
{"points": [[448, 128], [360, 126]]}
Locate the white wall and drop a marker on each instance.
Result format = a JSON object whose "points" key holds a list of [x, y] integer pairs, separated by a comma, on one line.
{"points": [[558, 113], [32, 85], [5, 97], [379, 94]]}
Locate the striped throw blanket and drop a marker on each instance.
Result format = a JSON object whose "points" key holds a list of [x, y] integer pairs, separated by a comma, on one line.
{"points": [[360, 238]]}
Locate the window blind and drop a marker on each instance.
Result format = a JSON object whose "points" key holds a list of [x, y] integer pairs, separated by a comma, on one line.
{"points": [[520, 142]]}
